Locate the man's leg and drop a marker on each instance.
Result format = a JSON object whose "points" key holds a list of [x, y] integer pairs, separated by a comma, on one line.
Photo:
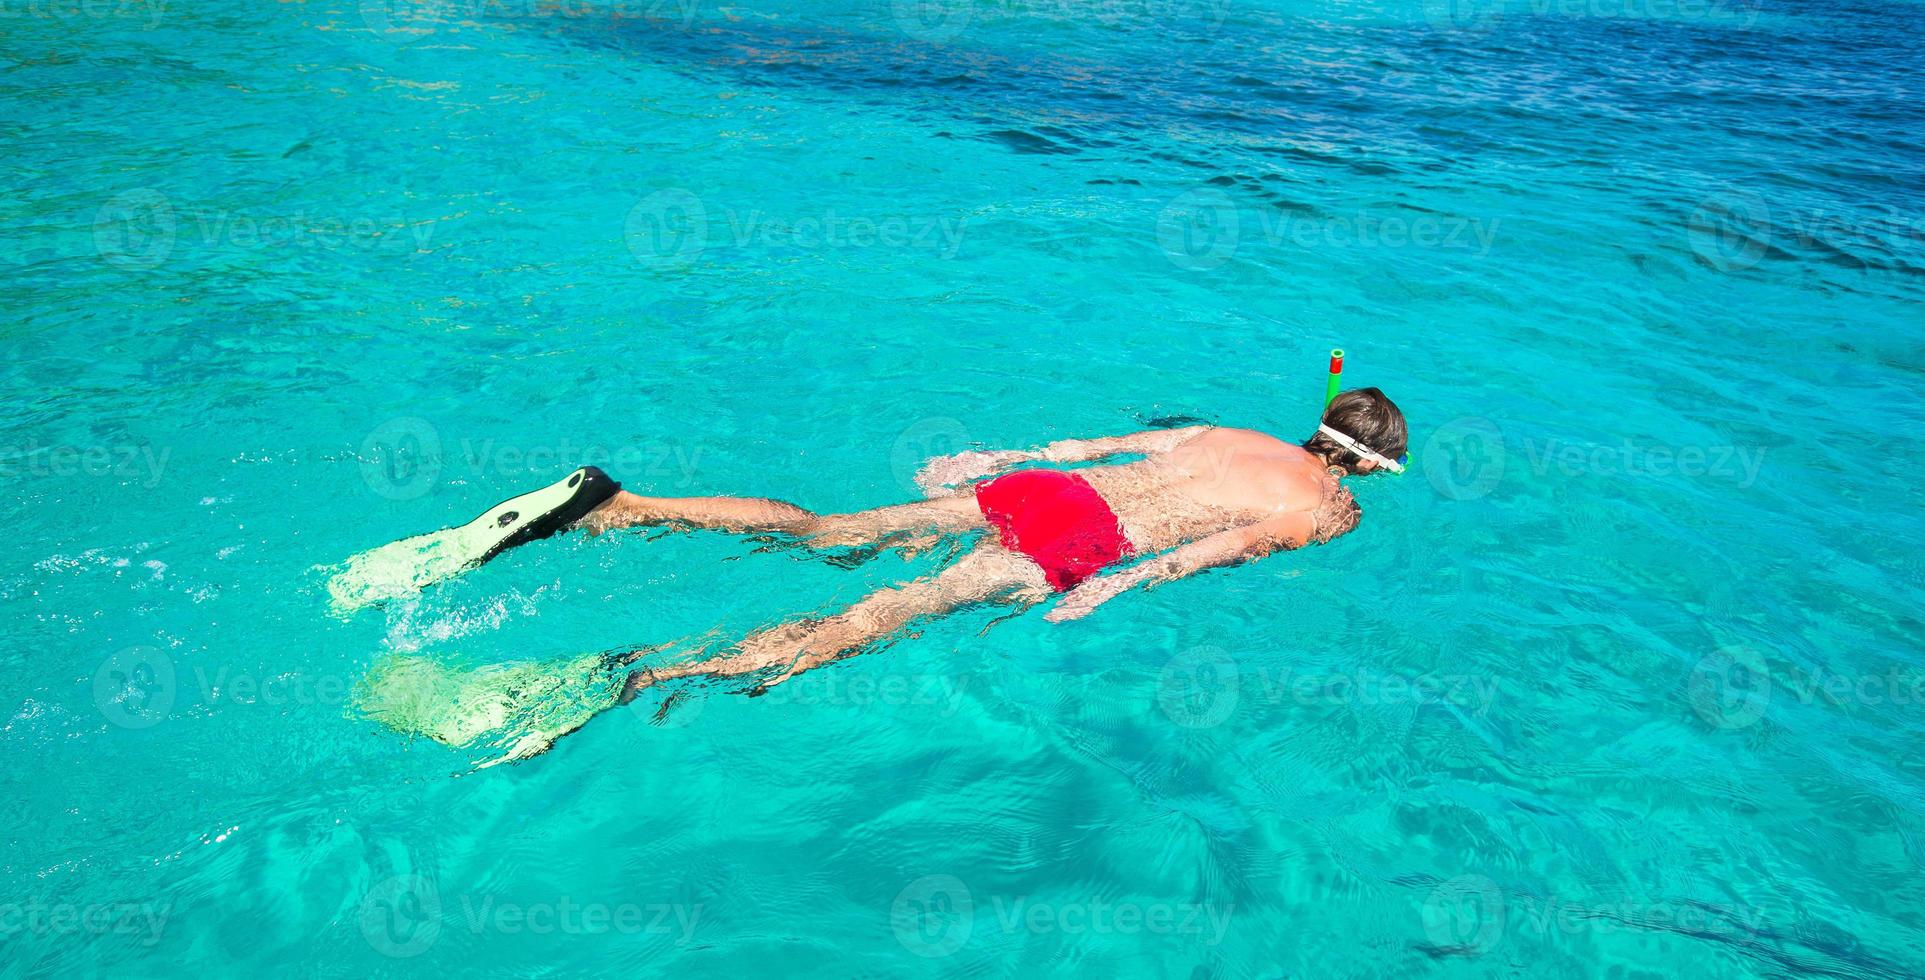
{"points": [[716, 513], [758, 514], [987, 574]]}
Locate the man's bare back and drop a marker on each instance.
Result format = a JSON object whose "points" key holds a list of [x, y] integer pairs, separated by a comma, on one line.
{"points": [[1216, 480]]}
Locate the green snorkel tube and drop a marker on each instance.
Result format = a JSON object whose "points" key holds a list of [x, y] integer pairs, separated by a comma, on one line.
{"points": [[1330, 386]]}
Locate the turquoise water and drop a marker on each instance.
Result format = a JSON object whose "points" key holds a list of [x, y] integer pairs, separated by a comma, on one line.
{"points": [[1623, 680]]}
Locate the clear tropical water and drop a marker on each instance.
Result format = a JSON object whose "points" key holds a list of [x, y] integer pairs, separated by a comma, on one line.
{"points": [[1625, 680]]}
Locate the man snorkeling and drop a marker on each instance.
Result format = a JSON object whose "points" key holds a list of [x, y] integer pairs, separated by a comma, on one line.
{"points": [[1197, 498]]}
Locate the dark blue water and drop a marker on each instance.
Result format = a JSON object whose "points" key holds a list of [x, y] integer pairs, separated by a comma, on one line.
{"points": [[1623, 679]]}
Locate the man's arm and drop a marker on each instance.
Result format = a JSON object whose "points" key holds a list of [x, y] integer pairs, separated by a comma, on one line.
{"points": [[1232, 547], [939, 475]]}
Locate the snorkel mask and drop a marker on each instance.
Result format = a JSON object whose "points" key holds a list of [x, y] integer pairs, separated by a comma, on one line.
{"points": [[1362, 451]]}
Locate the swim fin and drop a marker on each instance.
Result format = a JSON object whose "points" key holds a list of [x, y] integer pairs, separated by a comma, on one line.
{"points": [[405, 567], [516, 710]]}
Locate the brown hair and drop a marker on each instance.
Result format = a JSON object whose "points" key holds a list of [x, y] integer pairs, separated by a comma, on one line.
{"points": [[1368, 418]]}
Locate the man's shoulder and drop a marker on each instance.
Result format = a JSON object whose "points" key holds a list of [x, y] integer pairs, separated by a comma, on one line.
{"points": [[1337, 514], [1229, 433], [1252, 445]]}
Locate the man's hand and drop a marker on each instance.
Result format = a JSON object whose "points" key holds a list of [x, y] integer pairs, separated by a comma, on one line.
{"points": [[939, 476], [1083, 600]]}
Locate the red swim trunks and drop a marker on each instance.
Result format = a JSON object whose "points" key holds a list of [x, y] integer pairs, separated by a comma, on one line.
{"points": [[1058, 520]]}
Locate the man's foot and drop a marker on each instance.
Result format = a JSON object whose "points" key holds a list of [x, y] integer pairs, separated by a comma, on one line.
{"points": [[406, 567]]}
